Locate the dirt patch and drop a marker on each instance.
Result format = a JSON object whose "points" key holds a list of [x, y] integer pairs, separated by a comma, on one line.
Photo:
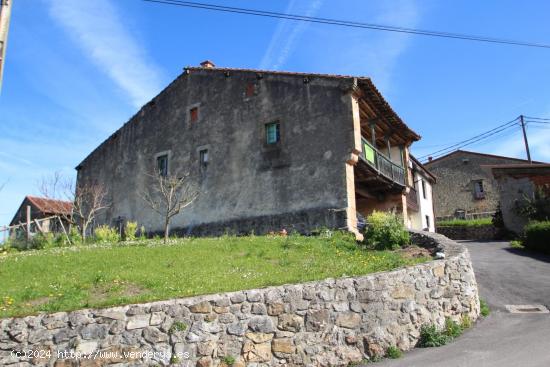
{"points": [[104, 292], [414, 252], [38, 301]]}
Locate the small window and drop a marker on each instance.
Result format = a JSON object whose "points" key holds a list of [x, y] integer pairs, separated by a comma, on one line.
{"points": [[250, 89], [194, 114], [428, 222], [272, 133], [203, 157], [479, 192], [162, 165]]}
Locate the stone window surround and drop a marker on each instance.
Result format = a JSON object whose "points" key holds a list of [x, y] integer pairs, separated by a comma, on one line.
{"points": [[208, 149], [188, 112], [168, 154]]}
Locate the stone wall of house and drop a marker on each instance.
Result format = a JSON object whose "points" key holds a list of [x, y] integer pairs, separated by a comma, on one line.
{"points": [[483, 233], [331, 322], [253, 186], [456, 174]]}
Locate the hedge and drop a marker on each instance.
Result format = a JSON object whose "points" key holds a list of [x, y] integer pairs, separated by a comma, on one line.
{"points": [[537, 236]]}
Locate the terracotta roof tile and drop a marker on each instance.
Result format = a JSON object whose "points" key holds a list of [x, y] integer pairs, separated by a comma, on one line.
{"points": [[51, 206]]}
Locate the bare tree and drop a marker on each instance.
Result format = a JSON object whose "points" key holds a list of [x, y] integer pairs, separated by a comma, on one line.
{"points": [[87, 200], [169, 195]]}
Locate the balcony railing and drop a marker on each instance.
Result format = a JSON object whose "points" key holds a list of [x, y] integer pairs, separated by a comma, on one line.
{"points": [[381, 163]]}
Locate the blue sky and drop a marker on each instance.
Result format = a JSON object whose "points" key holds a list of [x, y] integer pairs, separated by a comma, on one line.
{"points": [[77, 70]]}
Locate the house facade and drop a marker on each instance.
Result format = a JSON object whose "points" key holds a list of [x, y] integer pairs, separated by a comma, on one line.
{"points": [[267, 150], [517, 184], [465, 184], [419, 198]]}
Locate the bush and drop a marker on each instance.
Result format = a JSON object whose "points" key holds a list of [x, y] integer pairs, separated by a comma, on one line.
{"points": [[130, 231], [537, 236], [385, 231], [105, 233]]}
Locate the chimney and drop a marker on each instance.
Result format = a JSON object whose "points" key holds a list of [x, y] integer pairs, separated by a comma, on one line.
{"points": [[430, 159], [207, 64]]}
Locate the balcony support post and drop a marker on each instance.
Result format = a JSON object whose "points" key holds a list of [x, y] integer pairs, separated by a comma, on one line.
{"points": [[373, 132]]}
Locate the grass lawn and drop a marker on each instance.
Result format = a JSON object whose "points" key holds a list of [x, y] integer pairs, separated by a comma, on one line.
{"points": [[466, 222], [63, 279]]}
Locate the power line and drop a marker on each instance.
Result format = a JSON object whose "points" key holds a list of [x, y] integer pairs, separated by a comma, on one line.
{"points": [[472, 140], [346, 23], [536, 118]]}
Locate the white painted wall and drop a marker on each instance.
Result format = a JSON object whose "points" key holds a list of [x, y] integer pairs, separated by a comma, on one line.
{"points": [[418, 220]]}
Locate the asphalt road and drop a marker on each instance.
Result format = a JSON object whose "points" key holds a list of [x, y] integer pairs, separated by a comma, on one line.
{"points": [[505, 277]]}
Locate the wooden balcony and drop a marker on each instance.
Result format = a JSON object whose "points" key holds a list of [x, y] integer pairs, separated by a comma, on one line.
{"points": [[381, 165]]}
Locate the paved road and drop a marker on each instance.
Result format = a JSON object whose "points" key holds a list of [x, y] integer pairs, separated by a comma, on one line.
{"points": [[505, 276]]}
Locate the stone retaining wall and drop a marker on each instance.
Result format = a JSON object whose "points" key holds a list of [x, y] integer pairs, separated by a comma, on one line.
{"points": [[331, 322], [482, 233]]}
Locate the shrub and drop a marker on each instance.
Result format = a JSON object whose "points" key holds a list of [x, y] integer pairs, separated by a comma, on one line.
{"points": [[537, 236], [393, 352], [430, 336], [131, 231], [105, 233], [44, 240], [385, 231]]}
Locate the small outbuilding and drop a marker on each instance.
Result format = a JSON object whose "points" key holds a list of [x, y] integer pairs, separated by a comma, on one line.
{"points": [[38, 214]]}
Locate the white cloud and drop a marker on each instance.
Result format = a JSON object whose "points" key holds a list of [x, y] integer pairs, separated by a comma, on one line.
{"points": [[97, 28], [376, 53], [287, 34]]}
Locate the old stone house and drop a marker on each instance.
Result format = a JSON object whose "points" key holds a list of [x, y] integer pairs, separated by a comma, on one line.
{"points": [[38, 214], [268, 150], [465, 184], [517, 184]]}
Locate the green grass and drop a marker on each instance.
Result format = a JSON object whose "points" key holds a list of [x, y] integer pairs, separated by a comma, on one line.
{"points": [[465, 222], [63, 279]]}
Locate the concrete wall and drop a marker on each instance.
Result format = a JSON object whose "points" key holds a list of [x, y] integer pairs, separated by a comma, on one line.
{"points": [[331, 322], [247, 185], [455, 182]]}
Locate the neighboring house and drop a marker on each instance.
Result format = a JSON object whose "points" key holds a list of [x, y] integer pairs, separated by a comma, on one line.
{"points": [[41, 214], [465, 185], [420, 203], [268, 150], [517, 184]]}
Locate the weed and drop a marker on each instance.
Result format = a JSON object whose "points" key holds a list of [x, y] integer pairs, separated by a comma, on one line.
{"points": [[177, 326], [465, 322], [229, 360], [484, 308], [393, 352], [174, 359], [452, 328], [431, 337]]}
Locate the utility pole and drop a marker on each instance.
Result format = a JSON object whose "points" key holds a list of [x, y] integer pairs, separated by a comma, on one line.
{"points": [[5, 14], [525, 138]]}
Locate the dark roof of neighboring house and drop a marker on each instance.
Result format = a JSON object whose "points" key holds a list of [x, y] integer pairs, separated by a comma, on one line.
{"points": [[423, 168], [478, 154]]}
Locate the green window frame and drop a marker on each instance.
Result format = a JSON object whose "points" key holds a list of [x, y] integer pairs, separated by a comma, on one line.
{"points": [[162, 165], [272, 133]]}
